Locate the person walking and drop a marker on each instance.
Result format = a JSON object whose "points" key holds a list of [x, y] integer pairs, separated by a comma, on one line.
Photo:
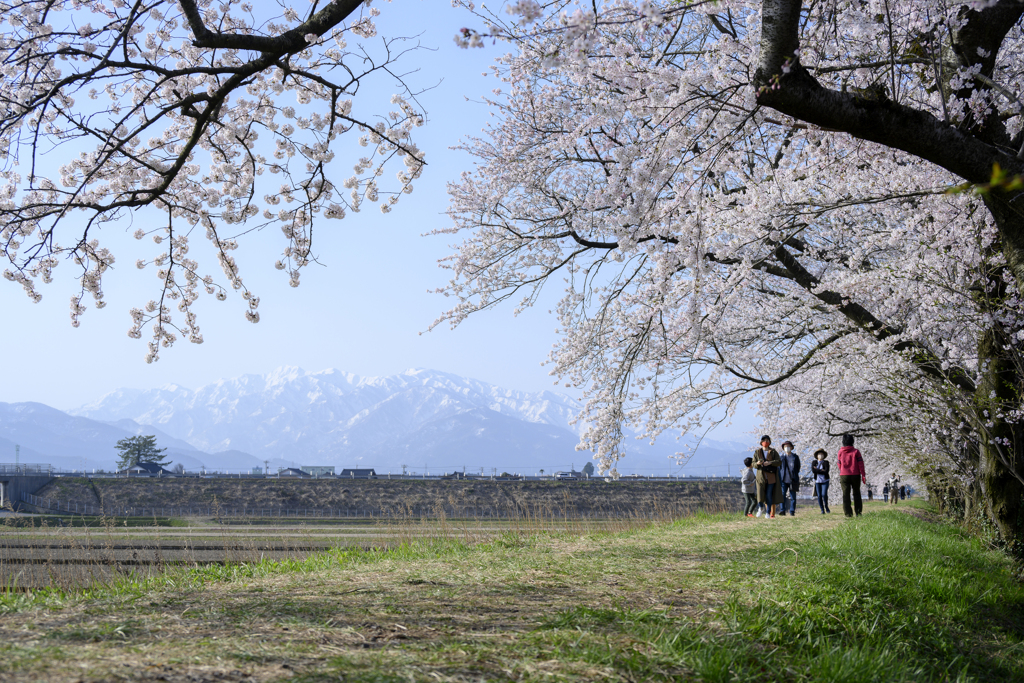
{"points": [[894, 488], [885, 491], [748, 484], [851, 475], [789, 477], [766, 463], [820, 468]]}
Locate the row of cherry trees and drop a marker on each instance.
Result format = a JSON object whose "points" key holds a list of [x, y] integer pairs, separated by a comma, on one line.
{"points": [[816, 205], [768, 199]]}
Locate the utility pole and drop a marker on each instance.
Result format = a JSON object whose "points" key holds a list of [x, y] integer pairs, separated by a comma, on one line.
{"points": [[17, 457], [266, 468]]}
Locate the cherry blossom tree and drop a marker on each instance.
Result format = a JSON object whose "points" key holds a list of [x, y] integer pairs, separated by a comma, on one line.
{"points": [[965, 118], [836, 239], [216, 117]]}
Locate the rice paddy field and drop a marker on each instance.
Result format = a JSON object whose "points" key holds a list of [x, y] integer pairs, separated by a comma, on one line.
{"points": [[896, 595], [68, 552]]}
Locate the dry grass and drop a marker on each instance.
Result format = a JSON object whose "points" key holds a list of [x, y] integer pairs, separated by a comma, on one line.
{"points": [[99, 550], [708, 597], [443, 612]]}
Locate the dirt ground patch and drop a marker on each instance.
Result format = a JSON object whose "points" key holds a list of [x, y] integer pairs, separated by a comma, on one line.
{"points": [[930, 516]]}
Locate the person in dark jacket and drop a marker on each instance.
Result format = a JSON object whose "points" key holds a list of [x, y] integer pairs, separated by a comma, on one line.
{"points": [[851, 475], [789, 477], [820, 468]]}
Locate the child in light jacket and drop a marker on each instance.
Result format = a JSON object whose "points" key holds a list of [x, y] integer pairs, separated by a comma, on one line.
{"points": [[748, 484]]}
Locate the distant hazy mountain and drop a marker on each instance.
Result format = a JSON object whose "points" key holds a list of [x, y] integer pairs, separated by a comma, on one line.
{"points": [[338, 418], [418, 418], [27, 454], [49, 436]]}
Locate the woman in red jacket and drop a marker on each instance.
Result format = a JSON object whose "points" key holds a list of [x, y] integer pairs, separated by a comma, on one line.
{"points": [[851, 474]]}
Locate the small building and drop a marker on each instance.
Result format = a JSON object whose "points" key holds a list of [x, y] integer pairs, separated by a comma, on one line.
{"points": [[350, 473], [319, 470], [146, 469], [291, 472]]}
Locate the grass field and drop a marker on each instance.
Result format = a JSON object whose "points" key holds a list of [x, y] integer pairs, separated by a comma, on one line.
{"points": [[890, 596]]}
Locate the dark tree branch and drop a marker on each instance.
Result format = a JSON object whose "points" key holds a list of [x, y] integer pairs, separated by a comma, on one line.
{"points": [[786, 86], [290, 41], [920, 355]]}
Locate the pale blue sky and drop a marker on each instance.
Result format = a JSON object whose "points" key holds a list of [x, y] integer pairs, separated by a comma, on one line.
{"points": [[362, 313]]}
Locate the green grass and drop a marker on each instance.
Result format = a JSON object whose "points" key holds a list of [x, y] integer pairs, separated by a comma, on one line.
{"points": [[885, 597], [888, 596]]}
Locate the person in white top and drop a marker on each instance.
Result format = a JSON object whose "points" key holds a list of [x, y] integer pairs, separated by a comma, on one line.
{"points": [[748, 484], [894, 488]]}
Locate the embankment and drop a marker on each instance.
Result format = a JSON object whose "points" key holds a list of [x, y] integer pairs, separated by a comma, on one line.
{"points": [[457, 498]]}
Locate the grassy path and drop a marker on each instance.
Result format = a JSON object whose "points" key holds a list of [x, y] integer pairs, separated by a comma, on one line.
{"points": [[888, 596]]}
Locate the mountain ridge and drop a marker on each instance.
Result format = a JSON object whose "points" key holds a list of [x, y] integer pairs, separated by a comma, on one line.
{"points": [[418, 419], [416, 416]]}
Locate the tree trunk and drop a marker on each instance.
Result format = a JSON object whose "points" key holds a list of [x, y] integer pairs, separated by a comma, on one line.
{"points": [[1001, 448], [1007, 209]]}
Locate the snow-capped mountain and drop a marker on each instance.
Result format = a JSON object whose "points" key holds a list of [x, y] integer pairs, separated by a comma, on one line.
{"points": [[419, 418], [327, 417]]}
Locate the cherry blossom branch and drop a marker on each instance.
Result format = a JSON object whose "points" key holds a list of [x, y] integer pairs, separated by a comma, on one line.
{"points": [[189, 89]]}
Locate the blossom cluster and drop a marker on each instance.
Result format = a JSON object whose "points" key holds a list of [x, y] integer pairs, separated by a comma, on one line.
{"points": [[713, 249], [217, 116]]}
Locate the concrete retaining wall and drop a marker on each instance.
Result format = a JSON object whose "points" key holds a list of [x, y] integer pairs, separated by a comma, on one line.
{"points": [[15, 485], [456, 498]]}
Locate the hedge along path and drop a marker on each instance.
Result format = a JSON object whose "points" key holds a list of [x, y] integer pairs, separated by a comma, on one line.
{"points": [[541, 607]]}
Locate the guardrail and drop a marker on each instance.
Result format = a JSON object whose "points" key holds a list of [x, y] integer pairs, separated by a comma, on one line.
{"points": [[30, 469]]}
